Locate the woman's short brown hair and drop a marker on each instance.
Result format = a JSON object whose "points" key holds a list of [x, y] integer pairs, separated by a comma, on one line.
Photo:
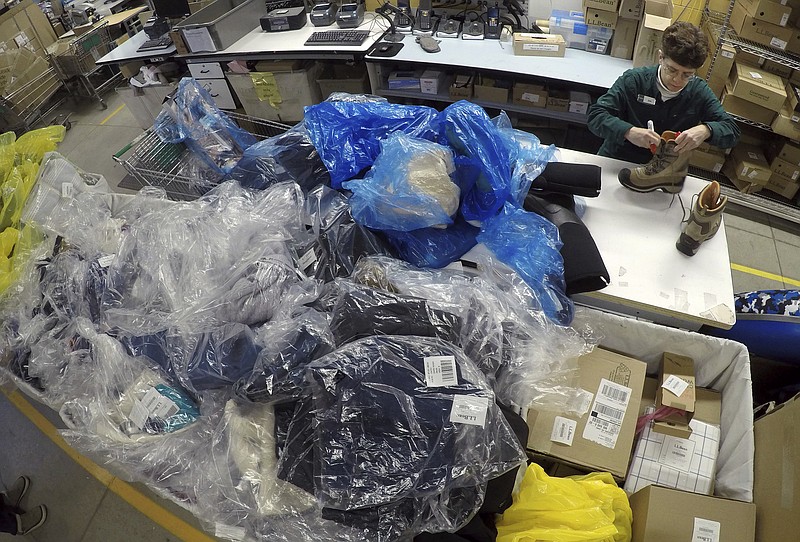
{"points": [[685, 44]]}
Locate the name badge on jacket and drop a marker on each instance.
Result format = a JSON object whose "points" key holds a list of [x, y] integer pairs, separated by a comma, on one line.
{"points": [[641, 98]]}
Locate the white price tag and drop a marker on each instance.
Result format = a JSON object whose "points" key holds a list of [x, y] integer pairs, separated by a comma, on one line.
{"points": [[67, 190], [563, 430], [106, 260], [440, 371], [469, 409], [756, 75], [717, 168], [307, 259], [677, 453], [705, 530], [780, 44], [728, 54], [229, 531], [138, 414], [675, 384]]}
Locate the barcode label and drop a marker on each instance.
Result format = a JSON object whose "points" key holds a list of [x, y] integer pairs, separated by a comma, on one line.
{"points": [[616, 393], [563, 430], [609, 411], [67, 190], [621, 396], [440, 371], [106, 260], [307, 259], [675, 384], [469, 409], [705, 530]]}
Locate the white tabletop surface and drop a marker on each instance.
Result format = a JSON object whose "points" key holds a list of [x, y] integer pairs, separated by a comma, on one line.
{"points": [[636, 235], [127, 51], [576, 66]]}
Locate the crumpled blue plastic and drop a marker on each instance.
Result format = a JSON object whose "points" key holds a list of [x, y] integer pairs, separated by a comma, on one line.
{"points": [[348, 135], [434, 247], [530, 244], [386, 199]]}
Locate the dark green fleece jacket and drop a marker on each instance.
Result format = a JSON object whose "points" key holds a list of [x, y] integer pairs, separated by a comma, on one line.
{"points": [[634, 99]]}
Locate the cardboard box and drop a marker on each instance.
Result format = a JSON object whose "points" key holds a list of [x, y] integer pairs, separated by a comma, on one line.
{"points": [[784, 126], [783, 186], [579, 102], [794, 41], [757, 86], [598, 17], [130, 69], [767, 10], [599, 39], [624, 38], [603, 5], [749, 110], [750, 164], [631, 9], [776, 68], [759, 31], [669, 515], [707, 159], [491, 90], [461, 87], [177, 40], [344, 78], [677, 374], [601, 438], [405, 80], [530, 44], [558, 100], [657, 17], [529, 95], [777, 472], [723, 65], [786, 169], [746, 57], [431, 81], [743, 186], [785, 150], [679, 463], [793, 100]]}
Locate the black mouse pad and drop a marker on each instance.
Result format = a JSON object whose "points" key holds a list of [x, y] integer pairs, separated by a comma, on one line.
{"points": [[386, 49]]}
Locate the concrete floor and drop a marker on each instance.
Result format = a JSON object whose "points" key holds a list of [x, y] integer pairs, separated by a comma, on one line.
{"points": [[88, 505]]}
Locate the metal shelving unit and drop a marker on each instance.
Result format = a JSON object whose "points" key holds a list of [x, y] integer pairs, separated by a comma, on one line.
{"points": [[772, 205]]}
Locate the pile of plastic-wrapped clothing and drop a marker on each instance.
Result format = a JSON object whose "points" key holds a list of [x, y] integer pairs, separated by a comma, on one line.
{"points": [[287, 356]]}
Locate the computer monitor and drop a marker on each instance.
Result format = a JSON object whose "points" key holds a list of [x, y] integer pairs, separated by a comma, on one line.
{"points": [[171, 9]]}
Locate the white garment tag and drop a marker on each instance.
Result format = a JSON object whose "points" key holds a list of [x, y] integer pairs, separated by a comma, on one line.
{"points": [[677, 453], [563, 430], [138, 414], [229, 531], [157, 405], [67, 190], [106, 260], [469, 409], [675, 384], [705, 530], [607, 412], [307, 259], [440, 371]]}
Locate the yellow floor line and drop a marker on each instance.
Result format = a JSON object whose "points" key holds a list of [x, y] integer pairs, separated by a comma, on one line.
{"points": [[124, 490], [764, 274], [108, 118]]}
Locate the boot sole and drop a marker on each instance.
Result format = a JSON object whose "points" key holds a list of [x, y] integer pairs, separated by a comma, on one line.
{"points": [[687, 245], [668, 188]]}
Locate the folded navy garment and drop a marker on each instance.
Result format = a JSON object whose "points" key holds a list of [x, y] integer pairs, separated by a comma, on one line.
{"points": [[361, 311], [211, 360]]}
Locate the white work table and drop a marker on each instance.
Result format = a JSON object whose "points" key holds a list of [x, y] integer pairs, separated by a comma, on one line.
{"points": [[127, 51], [482, 55], [650, 279]]}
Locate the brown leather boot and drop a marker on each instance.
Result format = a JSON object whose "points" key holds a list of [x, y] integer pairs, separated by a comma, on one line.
{"points": [[666, 171], [704, 220]]}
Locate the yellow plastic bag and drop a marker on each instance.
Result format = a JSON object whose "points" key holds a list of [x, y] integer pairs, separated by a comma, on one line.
{"points": [[33, 145], [17, 254], [7, 151], [590, 508]]}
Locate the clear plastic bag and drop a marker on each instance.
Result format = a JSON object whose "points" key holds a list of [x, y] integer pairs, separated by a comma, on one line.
{"points": [[588, 508], [408, 187], [396, 453], [193, 118], [530, 244], [348, 134], [286, 157]]}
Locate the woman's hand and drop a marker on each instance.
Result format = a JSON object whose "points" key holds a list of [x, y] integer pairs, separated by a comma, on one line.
{"points": [[692, 138], [642, 137]]}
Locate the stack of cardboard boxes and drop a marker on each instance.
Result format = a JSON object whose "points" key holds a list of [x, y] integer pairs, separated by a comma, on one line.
{"points": [[671, 476]]}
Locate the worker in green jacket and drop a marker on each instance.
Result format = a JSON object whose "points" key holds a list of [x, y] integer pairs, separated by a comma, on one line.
{"points": [[668, 96]]}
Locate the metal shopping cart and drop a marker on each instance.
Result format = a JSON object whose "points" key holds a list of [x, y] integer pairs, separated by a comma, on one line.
{"points": [[74, 62], [25, 106], [168, 165]]}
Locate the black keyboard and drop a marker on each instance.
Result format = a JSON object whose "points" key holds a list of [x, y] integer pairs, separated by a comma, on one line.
{"points": [[338, 37], [159, 43]]}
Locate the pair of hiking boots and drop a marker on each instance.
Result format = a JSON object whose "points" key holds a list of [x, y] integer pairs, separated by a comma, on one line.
{"points": [[667, 171]]}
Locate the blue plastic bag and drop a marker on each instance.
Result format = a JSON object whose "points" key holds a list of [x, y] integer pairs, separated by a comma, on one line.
{"points": [[529, 244], [408, 187], [468, 130], [434, 247], [194, 119], [348, 135]]}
